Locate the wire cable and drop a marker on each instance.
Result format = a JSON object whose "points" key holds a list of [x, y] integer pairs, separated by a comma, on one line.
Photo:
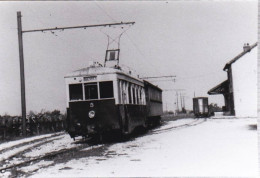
{"points": [[104, 11]]}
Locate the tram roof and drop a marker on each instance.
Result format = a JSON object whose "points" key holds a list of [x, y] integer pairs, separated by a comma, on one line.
{"points": [[98, 70]]}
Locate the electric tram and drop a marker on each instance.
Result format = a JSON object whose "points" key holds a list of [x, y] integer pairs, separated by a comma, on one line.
{"points": [[101, 99]]}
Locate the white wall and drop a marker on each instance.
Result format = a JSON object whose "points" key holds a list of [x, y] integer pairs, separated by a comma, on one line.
{"points": [[245, 84]]}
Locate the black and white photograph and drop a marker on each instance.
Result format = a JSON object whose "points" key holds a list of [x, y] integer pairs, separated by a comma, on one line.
{"points": [[129, 88]]}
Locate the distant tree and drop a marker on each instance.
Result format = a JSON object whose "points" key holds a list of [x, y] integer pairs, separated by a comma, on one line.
{"points": [[6, 114], [31, 113], [55, 112], [170, 112]]}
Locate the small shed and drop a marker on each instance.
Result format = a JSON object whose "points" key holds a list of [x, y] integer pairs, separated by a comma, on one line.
{"points": [[201, 106]]}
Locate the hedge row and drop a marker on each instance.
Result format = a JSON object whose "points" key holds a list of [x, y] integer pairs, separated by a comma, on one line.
{"points": [[41, 123]]}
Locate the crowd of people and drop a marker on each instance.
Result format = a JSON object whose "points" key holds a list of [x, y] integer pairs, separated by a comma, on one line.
{"points": [[41, 123]]}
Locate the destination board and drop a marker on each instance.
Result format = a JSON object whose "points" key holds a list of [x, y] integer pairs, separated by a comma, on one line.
{"points": [[90, 78]]}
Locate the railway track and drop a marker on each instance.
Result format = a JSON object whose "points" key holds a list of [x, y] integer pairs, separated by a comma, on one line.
{"points": [[53, 154], [189, 124], [20, 153], [17, 151], [26, 161], [5, 148]]}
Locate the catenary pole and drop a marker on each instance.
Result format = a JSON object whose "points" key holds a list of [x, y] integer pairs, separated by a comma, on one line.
{"points": [[20, 41], [177, 101], [183, 102]]}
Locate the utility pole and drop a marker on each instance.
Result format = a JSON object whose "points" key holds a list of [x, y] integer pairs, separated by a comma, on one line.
{"points": [[181, 101], [20, 41], [184, 102], [177, 96], [177, 101]]}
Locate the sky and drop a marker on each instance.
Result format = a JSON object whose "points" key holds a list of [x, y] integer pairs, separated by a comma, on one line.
{"points": [[190, 40]]}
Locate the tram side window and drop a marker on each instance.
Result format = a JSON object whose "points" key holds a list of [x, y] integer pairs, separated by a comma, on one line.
{"points": [[91, 91], [140, 94], [123, 92], [126, 97], [133, 90], [137, 96], [129, 94], [75, 91], [106, 89]]}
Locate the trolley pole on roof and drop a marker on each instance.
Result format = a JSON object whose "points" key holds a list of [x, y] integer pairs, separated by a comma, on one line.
{"points": [[20, 41], [21, 57]]}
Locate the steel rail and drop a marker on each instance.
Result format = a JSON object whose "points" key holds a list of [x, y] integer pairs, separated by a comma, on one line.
{"points": [[38, 158], [30, 142], [193, 123], [52, 154]]}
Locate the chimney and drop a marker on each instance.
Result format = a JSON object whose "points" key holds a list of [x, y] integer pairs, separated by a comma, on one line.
{"points": [[246, 47]]}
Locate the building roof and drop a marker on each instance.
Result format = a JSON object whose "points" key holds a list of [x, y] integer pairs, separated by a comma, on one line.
{"points": [[152, 85], [246, 50], [221, 88]]}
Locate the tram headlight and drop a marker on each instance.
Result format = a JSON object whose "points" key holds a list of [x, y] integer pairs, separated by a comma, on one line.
{"points": [[91, 114]]}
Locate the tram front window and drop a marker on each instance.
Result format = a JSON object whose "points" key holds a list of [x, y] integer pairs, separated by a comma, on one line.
{"points": [[91, 91], [75, 91], [106, 89]]}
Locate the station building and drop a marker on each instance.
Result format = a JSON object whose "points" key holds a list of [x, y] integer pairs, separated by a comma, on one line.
{"points": [[240, 88]]}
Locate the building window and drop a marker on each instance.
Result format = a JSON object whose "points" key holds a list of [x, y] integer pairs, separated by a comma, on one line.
{"points": [[91, 91], [106, 89], [75, 91]]}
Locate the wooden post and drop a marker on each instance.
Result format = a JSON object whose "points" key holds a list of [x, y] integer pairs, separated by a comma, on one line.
{"points": [[20, 41]]}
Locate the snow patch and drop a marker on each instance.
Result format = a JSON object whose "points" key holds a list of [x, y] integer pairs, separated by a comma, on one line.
{"points": [[5, 174]]}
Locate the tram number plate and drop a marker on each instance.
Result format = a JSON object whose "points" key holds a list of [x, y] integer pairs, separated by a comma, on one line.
{"points": [[90, 78]]}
